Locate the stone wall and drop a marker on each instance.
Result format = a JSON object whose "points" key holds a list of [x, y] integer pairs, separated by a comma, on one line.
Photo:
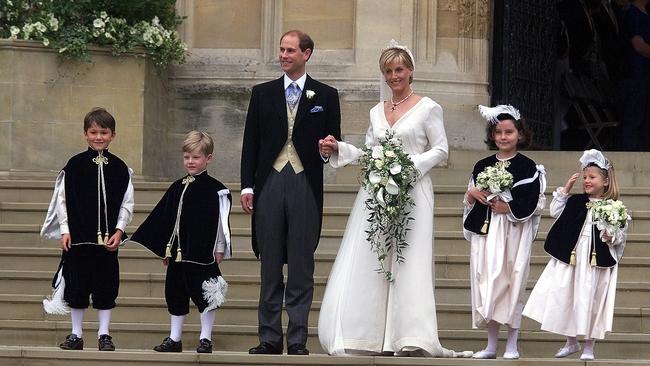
{"points": [[233, 46], [43, 101]]}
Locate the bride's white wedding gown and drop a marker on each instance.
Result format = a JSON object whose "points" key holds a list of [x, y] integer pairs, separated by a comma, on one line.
{"points": [[362, 312]]}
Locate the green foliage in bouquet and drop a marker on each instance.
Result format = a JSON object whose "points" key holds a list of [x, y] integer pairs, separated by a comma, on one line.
{"points": [[388, 174]]}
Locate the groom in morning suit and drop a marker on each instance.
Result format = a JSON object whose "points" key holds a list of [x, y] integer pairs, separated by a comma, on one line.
{"points": [[282, 186]]}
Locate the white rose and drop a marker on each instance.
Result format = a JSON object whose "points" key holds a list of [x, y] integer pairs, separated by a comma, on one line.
{"points": [[379, 164], [395, 169], [390, 153], [391, 187], [98, 23], [378, 152], [310, 94]]}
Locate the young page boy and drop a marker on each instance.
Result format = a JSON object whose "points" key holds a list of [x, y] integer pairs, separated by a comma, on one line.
{"points": [[91, 206], [189, 229]]}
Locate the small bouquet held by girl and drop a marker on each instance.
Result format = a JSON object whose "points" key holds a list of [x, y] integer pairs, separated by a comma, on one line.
{"points": [[497, 180], [586, 243], [387, 174]]}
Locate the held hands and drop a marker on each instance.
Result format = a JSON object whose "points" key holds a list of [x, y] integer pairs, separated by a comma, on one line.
{"points": [[65, 242], [570, 182], [327, 146], [114, 241], [247, 202]]}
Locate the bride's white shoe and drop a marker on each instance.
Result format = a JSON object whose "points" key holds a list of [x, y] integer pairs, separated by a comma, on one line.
{"points": [[485, 354], [568, 350]]}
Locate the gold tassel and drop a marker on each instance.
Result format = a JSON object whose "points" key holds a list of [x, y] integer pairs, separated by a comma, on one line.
{"points": [[100, 240], [179, 257], [105, 238], [484, 228], [593, 258], [168, 250], [572, 261]]}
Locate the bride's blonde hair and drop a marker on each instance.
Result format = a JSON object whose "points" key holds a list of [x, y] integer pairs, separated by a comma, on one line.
{"points": [[391, 55]]}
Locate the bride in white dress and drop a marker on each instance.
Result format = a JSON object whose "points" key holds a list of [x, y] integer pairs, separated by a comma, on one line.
{"points": [[363, 313]]}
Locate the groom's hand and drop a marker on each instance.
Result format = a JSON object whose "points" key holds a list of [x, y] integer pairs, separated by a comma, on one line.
{"points": [[247, 203]]}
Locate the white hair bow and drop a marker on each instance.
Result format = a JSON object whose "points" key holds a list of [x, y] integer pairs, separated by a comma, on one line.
{"points": [[491, 114], [596, 157]]}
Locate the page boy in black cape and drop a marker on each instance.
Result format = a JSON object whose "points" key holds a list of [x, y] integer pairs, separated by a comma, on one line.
{"points": [[91, 206], [189, 229]]}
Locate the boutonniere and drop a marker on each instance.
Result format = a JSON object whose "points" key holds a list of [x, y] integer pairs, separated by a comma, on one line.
{"points": [[310, 94]]}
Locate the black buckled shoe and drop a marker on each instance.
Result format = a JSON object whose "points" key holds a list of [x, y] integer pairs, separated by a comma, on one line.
{"points": [[169, 345], [105, 343], [205, 346], [298, 349], [72, 342], [265, 349]]}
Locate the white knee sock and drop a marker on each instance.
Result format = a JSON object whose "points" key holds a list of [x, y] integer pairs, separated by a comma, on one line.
{"points": [[493, 336], [511, 344], [570, 341], [589, 346], [176, 332], [207, 321], [77, 316], [104, 317]]}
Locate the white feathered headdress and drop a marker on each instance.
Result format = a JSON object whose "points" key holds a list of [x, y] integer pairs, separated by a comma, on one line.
{"points": [[491, 114], [596, 157]]}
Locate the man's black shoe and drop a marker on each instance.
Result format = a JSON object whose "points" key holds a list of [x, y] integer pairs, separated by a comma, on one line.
{"points": [[72, 342], [169, 345], [105, 343], [265, 349], [205, 346], [298, 349]]}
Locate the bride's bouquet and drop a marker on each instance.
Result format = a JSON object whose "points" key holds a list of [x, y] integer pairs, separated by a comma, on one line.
{"points": [[610, 215], [498, 181], [388, 174]]}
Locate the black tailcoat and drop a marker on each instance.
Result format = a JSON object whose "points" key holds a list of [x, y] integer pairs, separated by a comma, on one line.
{"points": [[266, 133]]}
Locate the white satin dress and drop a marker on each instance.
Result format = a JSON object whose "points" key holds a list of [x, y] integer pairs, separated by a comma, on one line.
{"points": [[362, 312]]}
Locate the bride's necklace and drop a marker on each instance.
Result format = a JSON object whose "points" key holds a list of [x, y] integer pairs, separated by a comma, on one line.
{"points": [[395, 104]]}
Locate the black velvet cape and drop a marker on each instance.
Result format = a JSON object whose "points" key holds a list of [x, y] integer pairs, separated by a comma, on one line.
{"points": [[81, 195], [199, 221], [565, 233], [524, 197]]}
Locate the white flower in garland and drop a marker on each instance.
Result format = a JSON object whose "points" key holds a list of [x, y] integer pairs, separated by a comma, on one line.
{"points": [[387, 174]]}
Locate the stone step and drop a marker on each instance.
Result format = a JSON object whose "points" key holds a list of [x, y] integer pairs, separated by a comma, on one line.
{"points": [[53, 356], [244, 312], [636, 195], [245, 263], [448, 290], [446, 218], [239, 338], [447, 242]]}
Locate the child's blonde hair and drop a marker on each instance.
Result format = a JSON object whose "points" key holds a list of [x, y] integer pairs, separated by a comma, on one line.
{"points": [[611, 190], [198, 140]]}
